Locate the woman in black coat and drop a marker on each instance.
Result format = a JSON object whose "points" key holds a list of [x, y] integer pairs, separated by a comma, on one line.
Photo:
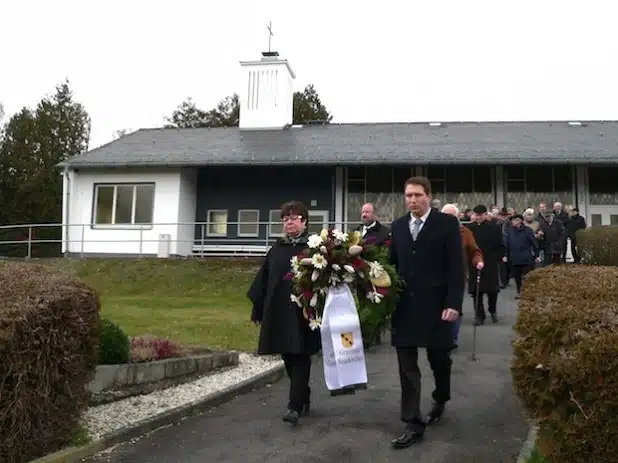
{"points": [[283, 328]]}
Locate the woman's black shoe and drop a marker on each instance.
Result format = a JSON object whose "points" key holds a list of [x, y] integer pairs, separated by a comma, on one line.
{"points": [[305, 410]]}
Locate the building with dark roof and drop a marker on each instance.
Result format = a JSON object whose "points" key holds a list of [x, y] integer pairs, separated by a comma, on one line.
{"points": [[186, 191]]}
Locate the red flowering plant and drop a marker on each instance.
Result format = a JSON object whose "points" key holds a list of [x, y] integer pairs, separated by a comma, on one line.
{"points": [[335, 258], [148, 348]]}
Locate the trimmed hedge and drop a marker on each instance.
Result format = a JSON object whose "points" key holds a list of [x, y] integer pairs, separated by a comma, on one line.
{"points": [[598, 245], [565, 368], [49, 326]]}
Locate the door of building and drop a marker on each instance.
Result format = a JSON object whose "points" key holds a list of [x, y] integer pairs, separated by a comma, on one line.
{"points": [[603, 215]]}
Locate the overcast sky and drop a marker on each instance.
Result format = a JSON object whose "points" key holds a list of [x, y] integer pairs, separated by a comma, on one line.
{"points": [[132, 62]]}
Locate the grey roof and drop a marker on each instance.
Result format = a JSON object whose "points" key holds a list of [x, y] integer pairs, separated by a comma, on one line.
{"points": [[594, 142]]}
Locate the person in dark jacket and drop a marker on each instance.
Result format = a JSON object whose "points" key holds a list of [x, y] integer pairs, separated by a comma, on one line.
{"points": [[552, 233], [576, 222], [373, 232], [522, 249], [283, 328], [563, 218], [489, 237], [426, 251], [371, 229]]}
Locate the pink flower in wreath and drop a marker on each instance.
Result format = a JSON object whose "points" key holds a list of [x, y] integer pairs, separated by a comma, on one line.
{"points": [[289, 276]]}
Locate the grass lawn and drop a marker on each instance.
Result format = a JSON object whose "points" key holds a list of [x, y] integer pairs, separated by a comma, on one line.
{"points": [[193, 302]]}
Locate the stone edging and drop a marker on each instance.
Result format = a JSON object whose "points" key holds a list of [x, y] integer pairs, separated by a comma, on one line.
{"points": [[76, 454], [529, 443], [110, 377]]}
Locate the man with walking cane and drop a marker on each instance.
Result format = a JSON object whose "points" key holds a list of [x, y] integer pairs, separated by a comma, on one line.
{"points": [[489, 238]]}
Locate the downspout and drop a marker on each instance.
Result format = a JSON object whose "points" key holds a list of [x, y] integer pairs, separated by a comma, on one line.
{"points": [[67, 208]]}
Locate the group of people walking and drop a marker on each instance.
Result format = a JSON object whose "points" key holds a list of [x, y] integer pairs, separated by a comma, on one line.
{"points": [[436, 256]]}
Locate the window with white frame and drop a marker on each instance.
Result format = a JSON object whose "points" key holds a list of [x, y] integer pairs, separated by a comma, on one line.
{"points": [[274, 226], [248, 222], [217, 222], [123, 204]]}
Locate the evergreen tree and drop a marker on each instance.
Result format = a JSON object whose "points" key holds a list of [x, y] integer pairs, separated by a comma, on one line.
{"points": [[33, 143], [307, 108]]}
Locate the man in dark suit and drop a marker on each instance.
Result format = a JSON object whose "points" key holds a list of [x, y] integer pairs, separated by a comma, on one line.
{"points": [[426, 251], [371, 229]]}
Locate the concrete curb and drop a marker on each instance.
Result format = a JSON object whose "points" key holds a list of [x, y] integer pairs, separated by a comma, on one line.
{"points": [[76, 454], [529, 443]]}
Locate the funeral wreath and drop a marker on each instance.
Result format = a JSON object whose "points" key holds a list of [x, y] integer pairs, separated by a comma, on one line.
{"points": [[335, 258]]}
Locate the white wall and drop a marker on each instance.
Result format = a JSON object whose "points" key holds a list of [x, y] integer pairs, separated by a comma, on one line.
{"points": [[186, 211], [266, 94], [174, 202]]}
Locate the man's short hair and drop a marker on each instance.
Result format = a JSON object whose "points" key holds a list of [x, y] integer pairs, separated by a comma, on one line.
{"points": [[420, 181]]}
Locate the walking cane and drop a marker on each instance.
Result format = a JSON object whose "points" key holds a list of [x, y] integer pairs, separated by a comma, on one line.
{"points": [[476, 311]]}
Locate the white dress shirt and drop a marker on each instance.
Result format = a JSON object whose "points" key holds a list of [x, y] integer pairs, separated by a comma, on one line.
{"points": [[367, 227]]}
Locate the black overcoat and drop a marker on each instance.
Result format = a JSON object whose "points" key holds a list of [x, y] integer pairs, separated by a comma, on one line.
{"points": [[283, 328], [433, 272], [378, 234], [490, 240]]}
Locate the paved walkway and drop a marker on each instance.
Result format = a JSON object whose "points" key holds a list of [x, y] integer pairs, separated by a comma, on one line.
{"points": [[483, 422]]}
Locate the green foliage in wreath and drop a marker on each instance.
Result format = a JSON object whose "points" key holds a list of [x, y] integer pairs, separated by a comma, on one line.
{"points": [[334, 258]]}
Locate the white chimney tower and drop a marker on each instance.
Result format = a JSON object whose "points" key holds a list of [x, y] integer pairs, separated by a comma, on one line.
{"points": [[266, 96]]}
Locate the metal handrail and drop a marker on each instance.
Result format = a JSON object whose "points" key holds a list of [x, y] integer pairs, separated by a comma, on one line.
{"points": [[200, 239]]}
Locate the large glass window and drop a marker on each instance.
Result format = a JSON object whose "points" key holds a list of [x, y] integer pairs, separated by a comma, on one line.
{"points": [[527, 186], [123, 204], [603, 185], [465, 186], [383, 186], [380, 185]]}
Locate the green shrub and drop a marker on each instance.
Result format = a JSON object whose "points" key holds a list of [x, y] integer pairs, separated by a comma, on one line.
{"points": [[114, 346], [598, 245], [565, 367], [48, 354]]}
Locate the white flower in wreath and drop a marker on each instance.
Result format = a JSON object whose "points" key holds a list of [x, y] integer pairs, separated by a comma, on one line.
{"points": [[375, 270], [374, 297], [314, 300], [340, 236], [315, 275], [334, 279], [319, 261], [296, 300], [315, 323], [348, 278], [314, 241], [349, 268], [336, 267], [295, 265]]}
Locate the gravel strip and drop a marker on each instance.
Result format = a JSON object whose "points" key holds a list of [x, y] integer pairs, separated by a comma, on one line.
{"points": [[103, 419]]}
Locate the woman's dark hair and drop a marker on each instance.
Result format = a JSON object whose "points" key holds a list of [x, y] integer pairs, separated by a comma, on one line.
{"points": [[295, 208]]}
